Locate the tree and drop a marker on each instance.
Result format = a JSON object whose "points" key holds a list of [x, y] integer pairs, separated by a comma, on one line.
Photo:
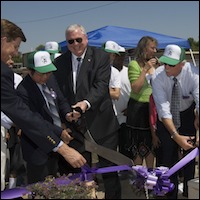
{"points": [[40, 47], [193, 44], [18, 58]]}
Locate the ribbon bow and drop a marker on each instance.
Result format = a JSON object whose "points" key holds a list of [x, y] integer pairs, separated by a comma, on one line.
{"points": [[153, 179]]}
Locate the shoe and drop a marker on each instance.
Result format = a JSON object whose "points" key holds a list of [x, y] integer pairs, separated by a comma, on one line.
{"points": [[185, 194], [12, 182], [95, 179]]}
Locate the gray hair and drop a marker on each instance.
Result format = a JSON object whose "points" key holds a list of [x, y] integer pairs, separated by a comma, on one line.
{"points": [[74, 27]]}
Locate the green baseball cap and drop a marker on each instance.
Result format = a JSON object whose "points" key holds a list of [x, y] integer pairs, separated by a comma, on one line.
{"points": [[41, 62], [173, 55]]}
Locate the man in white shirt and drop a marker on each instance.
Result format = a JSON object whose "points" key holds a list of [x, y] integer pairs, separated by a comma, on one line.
{"points": [[115, 83], [121, 103], [171, 136], [53, 48]]}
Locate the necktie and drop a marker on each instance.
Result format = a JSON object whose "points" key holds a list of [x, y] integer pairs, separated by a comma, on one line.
{"points": [[78, 67], [175, 103], [52, 106]]}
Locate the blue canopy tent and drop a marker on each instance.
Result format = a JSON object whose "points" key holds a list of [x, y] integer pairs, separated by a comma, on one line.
{"points": [[128, 38]]}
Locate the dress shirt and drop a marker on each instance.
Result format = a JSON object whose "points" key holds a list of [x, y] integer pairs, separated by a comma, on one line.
{"points": [[74, 70], [41, 90], [40, 87], [5, 120], [121, 103], [115, 82], [162, 89]]}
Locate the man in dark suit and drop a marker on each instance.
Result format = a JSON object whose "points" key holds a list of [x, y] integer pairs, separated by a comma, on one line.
{"points": [[41, 132], [89, 90], [40, 164]]}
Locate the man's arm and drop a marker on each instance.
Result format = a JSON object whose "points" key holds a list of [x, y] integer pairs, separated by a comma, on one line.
{"points": [[73, 157], [163, 110], [181, 140], [37, 129], [114, 93]]}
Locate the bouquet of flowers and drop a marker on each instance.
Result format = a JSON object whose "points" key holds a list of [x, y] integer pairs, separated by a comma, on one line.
{"points": [[61, 188]]}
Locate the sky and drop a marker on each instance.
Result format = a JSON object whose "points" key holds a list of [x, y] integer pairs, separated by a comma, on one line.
{"points": [[43, 21]]}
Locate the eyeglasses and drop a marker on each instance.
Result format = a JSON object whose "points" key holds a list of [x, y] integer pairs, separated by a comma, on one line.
{"points": [[79, 40], [170, 65]]}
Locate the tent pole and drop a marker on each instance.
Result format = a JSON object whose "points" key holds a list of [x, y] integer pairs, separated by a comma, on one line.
{"points": [[191, 53], [129, 58]]}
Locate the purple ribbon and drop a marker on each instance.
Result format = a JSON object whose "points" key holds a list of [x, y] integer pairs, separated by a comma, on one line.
{"points": [[14, 193], [190, 156], [152, 179], [85, 175], [156, 179]]}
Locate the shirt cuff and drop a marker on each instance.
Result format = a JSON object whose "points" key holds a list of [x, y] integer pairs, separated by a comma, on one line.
{"points": [[88, 104], [59, 145], [6, 125]]}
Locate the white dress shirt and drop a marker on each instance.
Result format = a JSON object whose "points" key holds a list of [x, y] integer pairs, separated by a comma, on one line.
{"points": [[74, 67], [41, 90], [5, 120], [115, 82], [162, 89], [121, 103]]}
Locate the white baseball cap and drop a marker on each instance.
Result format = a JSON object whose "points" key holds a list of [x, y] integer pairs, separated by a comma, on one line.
{"points": [[111, 47], [121, 49], [173, 55], [56, 55], [41, 62], [52, 47]]}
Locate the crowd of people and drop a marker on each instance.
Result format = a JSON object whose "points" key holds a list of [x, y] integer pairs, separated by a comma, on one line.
{"points": [[89, 90]]}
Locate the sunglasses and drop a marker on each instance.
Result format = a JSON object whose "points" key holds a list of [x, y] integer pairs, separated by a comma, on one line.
{"points": [[170, 65], [79, 40]]}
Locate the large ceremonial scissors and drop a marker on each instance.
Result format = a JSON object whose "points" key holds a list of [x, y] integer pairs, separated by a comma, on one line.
{"points": [[91, 146]]}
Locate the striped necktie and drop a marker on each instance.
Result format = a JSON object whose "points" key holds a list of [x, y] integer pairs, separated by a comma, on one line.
{"points": [[52, 106], [175, 103], [77, 73], [78, 67]]}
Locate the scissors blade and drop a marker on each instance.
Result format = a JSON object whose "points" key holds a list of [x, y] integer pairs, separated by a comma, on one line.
{"points": [[109, 154]]}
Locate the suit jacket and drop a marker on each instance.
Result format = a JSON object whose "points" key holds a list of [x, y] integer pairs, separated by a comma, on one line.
{"points": [[32, 96], [38, 130], [93, 86]]}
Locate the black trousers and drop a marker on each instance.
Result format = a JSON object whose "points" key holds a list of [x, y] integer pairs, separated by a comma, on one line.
{"points": [[125, 140], [167, 153], [37, 173]]}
